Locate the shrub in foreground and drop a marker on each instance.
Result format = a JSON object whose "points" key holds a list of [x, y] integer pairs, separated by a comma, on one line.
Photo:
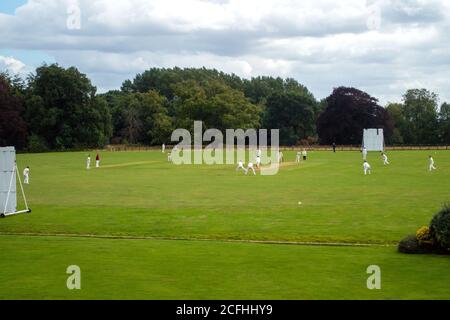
{"points": [[440, 229], [411, 245], [435, 238]]}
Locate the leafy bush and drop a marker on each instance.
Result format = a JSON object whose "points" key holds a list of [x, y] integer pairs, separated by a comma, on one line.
{"points": [[440, 228], [423, 234], [425, 239], [410, 244]]}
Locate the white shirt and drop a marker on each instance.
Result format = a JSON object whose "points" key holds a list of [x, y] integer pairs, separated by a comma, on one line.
{"points": [[431, 161], [258, 159], [88, 159], [304, 153], [385, 157], [26, 171], [258, 153], [240, 164], [250, 165], [366, 165]]}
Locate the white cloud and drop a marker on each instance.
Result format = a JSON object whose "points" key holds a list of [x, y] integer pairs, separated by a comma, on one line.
{"points": [[382, 46], [11, 64]]}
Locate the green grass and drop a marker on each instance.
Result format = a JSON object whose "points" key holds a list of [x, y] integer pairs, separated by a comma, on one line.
{"points": [[136, 269], [138, 194]]}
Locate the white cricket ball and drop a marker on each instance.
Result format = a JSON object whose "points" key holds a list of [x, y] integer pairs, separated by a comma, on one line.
{"points": [[299, 202]]}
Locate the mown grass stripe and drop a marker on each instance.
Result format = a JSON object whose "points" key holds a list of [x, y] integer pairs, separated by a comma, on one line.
{"points": [[117, 237]]}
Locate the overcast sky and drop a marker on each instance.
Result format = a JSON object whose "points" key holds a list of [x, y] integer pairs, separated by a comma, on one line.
{"points": [[381, 46]]}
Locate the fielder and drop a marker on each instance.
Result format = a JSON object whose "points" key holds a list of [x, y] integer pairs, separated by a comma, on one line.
{"points": [[258, 161], [431, 167], [26, 175], [241, 166], [97, 161], [163, 147], [385, 159], [304, 154], [250, 167], [364, 153], [88, 162], [367, 168], [169, 157], [280, 156], [258, 153], [298, 158]]}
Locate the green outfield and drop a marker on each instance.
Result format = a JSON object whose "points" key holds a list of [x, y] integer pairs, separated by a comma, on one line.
{"points": [[140, 227]]}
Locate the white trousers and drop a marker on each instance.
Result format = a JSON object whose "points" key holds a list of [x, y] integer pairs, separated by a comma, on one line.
{"points": [[97, 163], [367, 171], [251, 168], [26, 179]]}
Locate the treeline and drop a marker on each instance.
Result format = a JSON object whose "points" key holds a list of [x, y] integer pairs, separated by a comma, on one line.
{"points": [[57, 109]]}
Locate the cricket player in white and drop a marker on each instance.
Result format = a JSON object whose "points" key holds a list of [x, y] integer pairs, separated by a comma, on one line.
{"points": [[431, 167], [250, 167], [169, 157], [305, 154], [298, 158], [163, 148], [88, 162], [258, 161], [241, 166], [26, 175], [385, 158], [364, 153], [258, 153], [280, 156], [367, 168]]}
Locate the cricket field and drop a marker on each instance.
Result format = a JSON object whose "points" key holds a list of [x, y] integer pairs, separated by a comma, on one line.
{"points": [[139, 227]]}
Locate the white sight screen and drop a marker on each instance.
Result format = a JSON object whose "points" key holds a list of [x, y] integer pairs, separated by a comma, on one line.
{"points": [[373, 139], [7, 170]]}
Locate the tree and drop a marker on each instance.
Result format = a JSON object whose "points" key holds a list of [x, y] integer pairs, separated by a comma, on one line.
{"points": [[13, 129], [421, 117], [98, 126], [162, 80], [395, 111], [140, 117], [347, 113], [444, 123], [62, 108], [133, 127], [259, 89], [156, 123], [293, 114], [216, 104]]}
